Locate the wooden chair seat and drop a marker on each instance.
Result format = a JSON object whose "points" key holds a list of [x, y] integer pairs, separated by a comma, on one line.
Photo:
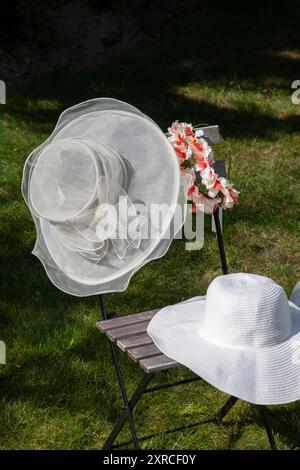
{"points": [[129, 333]]}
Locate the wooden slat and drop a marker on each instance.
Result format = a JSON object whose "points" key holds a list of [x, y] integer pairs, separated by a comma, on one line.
{"points": [[157, 363], [211, 134], [118, 333], [143, 352], [219, 167], [133, 341], [125, 320]]}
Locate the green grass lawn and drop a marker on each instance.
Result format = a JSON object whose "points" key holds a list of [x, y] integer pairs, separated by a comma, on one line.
{"points": [[58, 389]]}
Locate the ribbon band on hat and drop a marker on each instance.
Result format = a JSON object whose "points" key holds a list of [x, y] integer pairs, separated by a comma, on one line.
{"points": [[107, 222]]}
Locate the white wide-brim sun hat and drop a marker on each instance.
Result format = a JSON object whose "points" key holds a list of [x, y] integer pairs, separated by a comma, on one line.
{"points": [[243, 337], [101, 149]]}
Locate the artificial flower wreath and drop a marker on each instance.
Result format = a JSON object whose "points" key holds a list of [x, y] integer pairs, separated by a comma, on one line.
{"points": [[194, 154]]}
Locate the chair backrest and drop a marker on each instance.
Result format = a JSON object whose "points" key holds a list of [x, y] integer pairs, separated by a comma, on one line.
{"points": [[212, 135]]}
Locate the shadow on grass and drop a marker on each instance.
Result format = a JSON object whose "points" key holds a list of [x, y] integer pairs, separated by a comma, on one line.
{"points": [[236, 121], [283, 419], [285, 423], [210, 52]]}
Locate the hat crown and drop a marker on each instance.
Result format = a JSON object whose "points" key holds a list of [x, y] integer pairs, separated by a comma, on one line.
{"points": [[246, 310], [68, 171]]}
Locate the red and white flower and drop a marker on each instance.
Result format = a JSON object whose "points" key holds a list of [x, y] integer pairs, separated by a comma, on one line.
{"points": [[195, 154], [209, 177]]}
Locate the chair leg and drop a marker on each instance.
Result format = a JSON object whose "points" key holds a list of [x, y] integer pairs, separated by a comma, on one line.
{"points": [[225, 410], [124, 395], [220, 242], [115, 357], [267, 424], [124, 415]]}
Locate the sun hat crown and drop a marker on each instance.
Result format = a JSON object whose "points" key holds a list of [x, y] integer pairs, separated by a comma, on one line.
{"points": [[246, 310]]}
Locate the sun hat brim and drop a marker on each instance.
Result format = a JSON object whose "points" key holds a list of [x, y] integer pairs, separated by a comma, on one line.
{"points": [[264, 376]]}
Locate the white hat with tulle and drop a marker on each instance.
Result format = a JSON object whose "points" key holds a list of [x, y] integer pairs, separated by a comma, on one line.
{"points": [[91, 188]]}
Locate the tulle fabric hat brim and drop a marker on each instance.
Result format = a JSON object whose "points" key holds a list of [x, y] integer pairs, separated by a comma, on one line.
{"points": [[153, 177]]}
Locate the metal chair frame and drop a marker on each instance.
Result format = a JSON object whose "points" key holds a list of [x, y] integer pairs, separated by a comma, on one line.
{"points": [[142, 388]]}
